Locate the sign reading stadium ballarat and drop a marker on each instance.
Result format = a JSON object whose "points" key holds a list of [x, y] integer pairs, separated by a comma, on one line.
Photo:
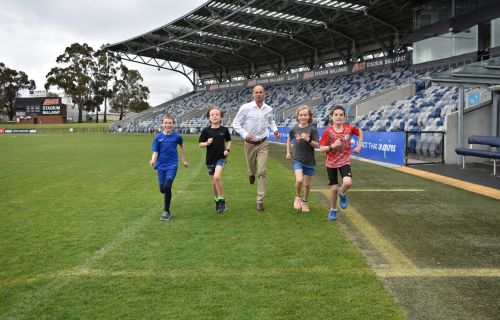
{"points": [[368, 65]]}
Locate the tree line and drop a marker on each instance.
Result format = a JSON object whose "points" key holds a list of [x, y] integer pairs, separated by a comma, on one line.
{"points": [[89, 78]]}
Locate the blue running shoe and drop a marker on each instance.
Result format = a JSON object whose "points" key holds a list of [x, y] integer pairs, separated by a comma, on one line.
{"points": [[343, 201], [165, 216], [221, 206], [332, 215]]}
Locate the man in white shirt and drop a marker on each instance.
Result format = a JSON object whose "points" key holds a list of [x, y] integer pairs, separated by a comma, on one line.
{"points": [[251, 123]]}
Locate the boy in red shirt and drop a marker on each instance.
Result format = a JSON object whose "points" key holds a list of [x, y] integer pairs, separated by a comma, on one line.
{"points": [[336, 142]]}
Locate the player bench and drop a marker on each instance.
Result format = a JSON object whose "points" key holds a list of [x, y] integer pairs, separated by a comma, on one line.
{"points": [[485, 141]]}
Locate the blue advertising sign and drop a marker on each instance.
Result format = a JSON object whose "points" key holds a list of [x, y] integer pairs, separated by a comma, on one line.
{"points": [[382, 146], [386, 147]]}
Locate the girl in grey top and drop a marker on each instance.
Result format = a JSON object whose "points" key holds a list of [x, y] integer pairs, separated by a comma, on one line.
{"points": [[306, 139]]}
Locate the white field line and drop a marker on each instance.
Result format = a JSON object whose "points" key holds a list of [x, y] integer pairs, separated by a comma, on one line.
{"points": [[190, 273], [399, 264], [372, 190], [438, 272], [384, 272], [393, 256]]}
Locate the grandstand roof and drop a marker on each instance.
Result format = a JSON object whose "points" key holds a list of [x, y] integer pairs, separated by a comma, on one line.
{"points": [[234, 39]]}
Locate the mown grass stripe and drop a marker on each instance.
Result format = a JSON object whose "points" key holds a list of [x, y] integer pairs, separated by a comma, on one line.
{"points": [[393, 256]]}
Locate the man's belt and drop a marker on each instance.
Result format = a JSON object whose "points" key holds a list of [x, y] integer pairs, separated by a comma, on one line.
{"points": [[258, 141]]}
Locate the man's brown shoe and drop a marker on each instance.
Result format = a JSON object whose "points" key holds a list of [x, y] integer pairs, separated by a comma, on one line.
{"points": [[251, 179], [260, 206]]}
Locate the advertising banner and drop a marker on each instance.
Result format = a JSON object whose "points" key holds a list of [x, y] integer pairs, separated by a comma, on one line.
{"points": [[19, 130], [401, 59], [388, 147]]}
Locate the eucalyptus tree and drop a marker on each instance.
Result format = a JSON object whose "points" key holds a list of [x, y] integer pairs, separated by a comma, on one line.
{"points": [[74, 75], [106, 68], [128, 91], [12, 82]]}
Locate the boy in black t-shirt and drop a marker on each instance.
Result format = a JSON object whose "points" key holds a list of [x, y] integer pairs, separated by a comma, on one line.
{"points": [[214, 138]]}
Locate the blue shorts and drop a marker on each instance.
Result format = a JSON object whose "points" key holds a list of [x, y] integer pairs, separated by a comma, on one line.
{"points": [[211, 167], [307, 170], [164, 175]]}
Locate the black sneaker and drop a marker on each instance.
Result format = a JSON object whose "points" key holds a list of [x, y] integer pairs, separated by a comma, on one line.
{"points": [[216, 205], [165, 216], [221, 206]]}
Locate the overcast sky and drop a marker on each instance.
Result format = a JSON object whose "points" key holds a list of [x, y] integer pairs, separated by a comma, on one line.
{"points": [[33, 33]]}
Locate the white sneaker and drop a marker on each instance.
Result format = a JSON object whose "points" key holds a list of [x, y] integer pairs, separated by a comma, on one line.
{"points": [[305, 206], [297, 203]]}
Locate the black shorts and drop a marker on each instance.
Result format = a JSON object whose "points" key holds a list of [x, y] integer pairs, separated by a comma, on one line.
{"points": [[211, 167], [345, 171]]}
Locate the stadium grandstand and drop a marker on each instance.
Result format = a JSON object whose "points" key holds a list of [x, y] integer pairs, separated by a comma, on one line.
{"points": [[428, 69]]}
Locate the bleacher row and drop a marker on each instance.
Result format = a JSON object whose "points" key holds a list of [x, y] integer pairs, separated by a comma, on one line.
{"points": [[425, 111]]}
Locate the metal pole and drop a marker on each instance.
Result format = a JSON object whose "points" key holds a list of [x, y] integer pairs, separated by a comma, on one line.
{"points": [[460, 136], [494, 114]]}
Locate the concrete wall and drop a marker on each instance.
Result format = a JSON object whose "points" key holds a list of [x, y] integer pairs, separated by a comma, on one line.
{"points": [[477, 122], [383, 99]]}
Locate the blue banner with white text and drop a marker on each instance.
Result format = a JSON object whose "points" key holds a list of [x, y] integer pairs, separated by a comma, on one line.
{"points": [[382, 146], [386, 147]]}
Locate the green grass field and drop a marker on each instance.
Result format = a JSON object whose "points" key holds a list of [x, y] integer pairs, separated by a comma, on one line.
{"points": [[81, 239]]}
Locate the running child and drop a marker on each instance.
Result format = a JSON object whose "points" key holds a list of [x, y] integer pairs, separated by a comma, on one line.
{"points": [[306, 139], [165, 160], [336, 143], [217, 140]]}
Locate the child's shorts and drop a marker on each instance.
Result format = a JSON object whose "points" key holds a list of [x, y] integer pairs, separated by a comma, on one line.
{"points": [[164, 175], [211, 167], [345, 171], [307, 170]]}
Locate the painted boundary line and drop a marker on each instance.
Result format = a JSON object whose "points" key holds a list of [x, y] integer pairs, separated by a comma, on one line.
{"points": [[438, 272], [482, 190], [390, 253], [326, 191], [65, 276], [399, 266]]}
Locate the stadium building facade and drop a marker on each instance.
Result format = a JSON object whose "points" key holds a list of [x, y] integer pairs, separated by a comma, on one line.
{"points": [[40, 110]]}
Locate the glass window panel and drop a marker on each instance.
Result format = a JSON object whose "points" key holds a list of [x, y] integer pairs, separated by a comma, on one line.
{"points": [[495, 32]]}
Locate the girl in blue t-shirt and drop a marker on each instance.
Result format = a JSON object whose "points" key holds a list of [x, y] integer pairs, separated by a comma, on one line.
{"points": [[165, 160]]}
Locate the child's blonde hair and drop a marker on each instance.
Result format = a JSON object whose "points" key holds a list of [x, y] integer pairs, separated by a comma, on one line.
{"points": [[215, 108], [309, 111], [168, 116]]}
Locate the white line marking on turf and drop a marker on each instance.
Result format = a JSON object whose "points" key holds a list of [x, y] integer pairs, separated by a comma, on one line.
{"points": [[374, 190], [399, 264], [266, 272], [438, 272], [393, 256]]}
